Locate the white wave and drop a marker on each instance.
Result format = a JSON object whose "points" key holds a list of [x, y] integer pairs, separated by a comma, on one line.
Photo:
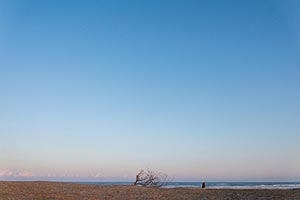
{"points": [[180, 186], [228, 186], [263, 186]]}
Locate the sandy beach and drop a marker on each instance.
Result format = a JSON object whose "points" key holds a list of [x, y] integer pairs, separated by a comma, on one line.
{"points": [[54, 190]]}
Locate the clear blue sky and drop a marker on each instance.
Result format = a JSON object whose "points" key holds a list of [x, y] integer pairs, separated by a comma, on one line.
{"points": [[197, 89]]}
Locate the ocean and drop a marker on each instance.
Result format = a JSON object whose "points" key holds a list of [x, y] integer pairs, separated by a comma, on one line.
{"points": [[218, 185]]}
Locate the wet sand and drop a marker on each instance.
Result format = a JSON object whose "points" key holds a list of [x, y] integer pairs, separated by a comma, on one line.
{"points": [[54, 190]]}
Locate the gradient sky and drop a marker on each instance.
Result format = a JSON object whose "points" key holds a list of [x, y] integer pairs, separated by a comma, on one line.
{"points": [[97, 90]]}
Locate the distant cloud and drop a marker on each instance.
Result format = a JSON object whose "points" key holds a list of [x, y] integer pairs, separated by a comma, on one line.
{"points": [[97, 175], [25, 174], [11, 173], [4, 173]]}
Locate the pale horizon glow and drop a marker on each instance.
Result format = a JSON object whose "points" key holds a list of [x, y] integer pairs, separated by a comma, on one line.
{"points": [[200, 90]]}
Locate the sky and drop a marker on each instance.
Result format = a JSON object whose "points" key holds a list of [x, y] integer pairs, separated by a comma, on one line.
{"points": [[199, 90]]}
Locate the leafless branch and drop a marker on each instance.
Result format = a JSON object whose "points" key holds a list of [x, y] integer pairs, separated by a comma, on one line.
{"points": [[149, 178]]}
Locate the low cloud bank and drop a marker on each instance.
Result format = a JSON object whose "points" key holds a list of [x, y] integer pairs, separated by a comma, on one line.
{"points": [[11, 173]]}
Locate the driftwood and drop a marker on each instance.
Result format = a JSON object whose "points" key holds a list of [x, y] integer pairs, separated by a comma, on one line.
{"points": [[148, 178]]}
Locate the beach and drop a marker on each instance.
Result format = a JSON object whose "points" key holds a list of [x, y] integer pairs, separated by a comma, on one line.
{"points": [[63, 191]]}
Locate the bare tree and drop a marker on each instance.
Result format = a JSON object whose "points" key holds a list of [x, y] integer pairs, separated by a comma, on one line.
{"points": [[150, 178]]}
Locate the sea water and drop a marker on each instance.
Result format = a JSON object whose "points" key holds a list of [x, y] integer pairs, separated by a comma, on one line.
{"points": [[239, 185], [218, 185]]}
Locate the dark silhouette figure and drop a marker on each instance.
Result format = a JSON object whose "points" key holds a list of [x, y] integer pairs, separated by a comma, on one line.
{"points": [[203, 184]]}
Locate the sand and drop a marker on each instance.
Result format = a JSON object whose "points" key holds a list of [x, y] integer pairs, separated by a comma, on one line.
{"points": [[53, 190]]}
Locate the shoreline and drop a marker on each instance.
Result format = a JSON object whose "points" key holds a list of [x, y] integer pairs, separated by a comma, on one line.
{"points": [[19, 190], [183, 184]]}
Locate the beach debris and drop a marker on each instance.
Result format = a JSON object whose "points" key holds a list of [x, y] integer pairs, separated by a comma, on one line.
{"points": [[149, 178]]}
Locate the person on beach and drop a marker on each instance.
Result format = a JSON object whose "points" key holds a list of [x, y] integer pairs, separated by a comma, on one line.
{"points": [[203, 184]]}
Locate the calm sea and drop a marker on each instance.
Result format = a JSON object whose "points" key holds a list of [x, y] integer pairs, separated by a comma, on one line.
{"points": [[229, 185]]}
